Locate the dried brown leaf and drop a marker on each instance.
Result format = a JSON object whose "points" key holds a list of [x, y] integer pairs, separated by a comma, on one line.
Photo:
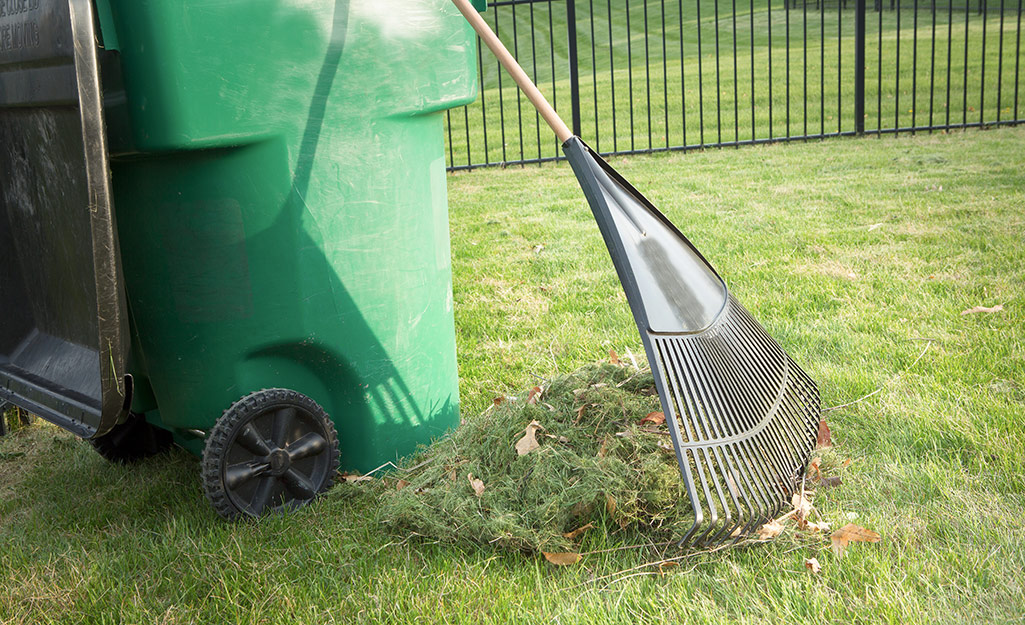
{"points": [[534, 395], [656, 418], [666, 564], [477, 485], [825, 437], [580, 414], [498, 400], [399, 485], [452, 475], [982, 309], [802, 506], [812, 564], [771, 529], [821, 526], [613, 357], [578, 531], [851, 533], [352, 478], [610, 504], [562, 559], [529, 442], [604, 448], [814, 472]]}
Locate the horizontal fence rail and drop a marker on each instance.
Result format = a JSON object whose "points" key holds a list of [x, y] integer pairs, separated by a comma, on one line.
{"points": [[652, 75]]}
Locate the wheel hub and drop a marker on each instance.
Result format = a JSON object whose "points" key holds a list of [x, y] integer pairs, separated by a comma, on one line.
{"points": [[279, 462]]}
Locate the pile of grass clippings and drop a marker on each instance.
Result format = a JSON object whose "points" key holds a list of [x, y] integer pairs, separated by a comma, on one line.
{"points": [[594, 463]]}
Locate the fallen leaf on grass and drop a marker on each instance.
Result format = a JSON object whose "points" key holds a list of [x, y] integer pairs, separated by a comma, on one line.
{"points": [[821, 526], [578, 531], [613, 357], [802, 507], [399, 485], [814, 472], [655, 418], [851, 533], [771, 529], [982, 309], [610, 504], [562, 559], [666, 564], [812, 564], [498, 400], [352, 478], [528, 443], [824, 439], [477, 485], [533, 395], [580, 414]]}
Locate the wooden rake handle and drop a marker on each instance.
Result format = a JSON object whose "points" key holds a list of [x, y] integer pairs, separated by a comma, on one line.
{"points": [[525, 84]]}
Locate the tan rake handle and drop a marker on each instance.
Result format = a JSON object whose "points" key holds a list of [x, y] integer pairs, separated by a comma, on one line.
{"points": [[528, 87]]}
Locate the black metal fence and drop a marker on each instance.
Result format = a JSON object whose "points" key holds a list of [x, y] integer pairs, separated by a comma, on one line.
{"points": [[650, 75]]}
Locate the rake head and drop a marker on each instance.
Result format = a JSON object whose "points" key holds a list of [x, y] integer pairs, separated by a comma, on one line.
{"points": [[742, 415]]}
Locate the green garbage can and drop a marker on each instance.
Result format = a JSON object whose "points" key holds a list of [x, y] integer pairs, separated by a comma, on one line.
{"points": [[281, 247]]}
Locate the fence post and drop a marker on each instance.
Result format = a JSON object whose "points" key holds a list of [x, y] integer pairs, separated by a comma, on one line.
{"points": [[574, 74], [859, 67]]}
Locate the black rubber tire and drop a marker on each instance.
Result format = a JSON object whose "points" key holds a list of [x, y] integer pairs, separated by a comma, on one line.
{"points": [[133, 440], [262, 479]]}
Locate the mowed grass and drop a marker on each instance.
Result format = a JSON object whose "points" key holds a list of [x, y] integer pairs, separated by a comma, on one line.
{"points": [[858, 255], [653, 78]]}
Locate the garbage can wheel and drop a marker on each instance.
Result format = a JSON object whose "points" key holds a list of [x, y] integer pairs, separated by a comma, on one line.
{"points": [[132, 441], [274, 449]]}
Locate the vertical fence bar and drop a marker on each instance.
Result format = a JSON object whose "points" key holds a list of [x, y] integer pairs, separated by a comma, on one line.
{"points": [[466, 127], [647, 73], [914, 65], [551, 56], [483, 106], [594, 76], [1017, 61], [879, 74], [768, 5], [519, 93], [630, 72], [1000, 60], [501, 98], [736, 103], [451, 154], [786, 20], [665, 73], [964, 80], [718, 86], [950, 34], [612, 72], [752, 19], [932, 66], [804, 88], [574, 69], [683, 78], [859, 67], [822, 68], [896, 88], [984, 6], [839, 68], [533, 58], [701, 79]]}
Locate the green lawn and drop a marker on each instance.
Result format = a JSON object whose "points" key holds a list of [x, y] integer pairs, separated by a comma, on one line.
{"points": [[858, 255], [817, 44]]}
